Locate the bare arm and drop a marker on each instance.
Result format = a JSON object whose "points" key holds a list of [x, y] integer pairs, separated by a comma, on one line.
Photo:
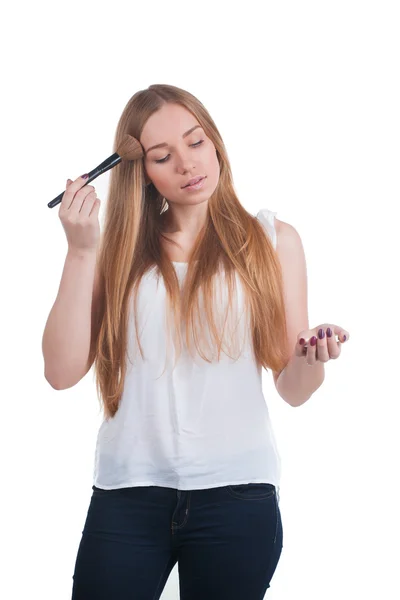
{"points": [[67, 336], [297, 381]]}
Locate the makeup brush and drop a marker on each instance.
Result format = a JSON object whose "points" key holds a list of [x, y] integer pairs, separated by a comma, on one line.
{"points": [[129, 149]]}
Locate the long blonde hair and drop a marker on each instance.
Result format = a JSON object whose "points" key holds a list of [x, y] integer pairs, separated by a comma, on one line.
{"points": [[130, 246]]}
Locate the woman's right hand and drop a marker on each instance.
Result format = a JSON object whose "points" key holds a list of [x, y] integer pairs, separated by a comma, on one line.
{"points": [[79, 215]]}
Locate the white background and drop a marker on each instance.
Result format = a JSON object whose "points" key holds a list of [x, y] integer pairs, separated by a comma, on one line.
{"points": [[306, 97]]}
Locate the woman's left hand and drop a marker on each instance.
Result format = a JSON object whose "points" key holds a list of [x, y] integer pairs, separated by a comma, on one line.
{"points": [[319, 343]]}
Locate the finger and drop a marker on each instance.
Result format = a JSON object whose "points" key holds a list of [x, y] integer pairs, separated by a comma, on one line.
{"points": [[322, 352], [85, 195], [342, 334], [311, 357], [301, 346], [332, 344], [71, 190], [95, 208], [88, 204]]}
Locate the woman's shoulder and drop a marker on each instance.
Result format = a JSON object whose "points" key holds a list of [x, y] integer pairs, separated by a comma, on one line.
{"points": [[271, 224], [274, 226]]}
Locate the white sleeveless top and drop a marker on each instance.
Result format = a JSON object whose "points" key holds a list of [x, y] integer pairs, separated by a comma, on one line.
{"points": [[201, 425]]}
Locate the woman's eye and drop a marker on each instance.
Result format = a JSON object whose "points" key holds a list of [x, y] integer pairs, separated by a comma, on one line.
{"points": [[163, 160]]}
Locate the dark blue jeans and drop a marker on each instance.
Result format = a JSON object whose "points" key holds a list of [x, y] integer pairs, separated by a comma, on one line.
{"points": [[227, 542]]}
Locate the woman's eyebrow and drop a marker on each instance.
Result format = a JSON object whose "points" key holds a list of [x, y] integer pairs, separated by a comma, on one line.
{"points": [[164, 144]]}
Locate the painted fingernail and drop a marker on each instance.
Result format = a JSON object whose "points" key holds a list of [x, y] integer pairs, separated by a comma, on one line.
{"points": [[301, 341], [321, 334], [344, 338], [313, 340], [85, 176], [329, 332]]}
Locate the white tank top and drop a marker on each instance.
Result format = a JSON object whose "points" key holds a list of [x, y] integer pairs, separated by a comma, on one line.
{"points": [[201, 425]]}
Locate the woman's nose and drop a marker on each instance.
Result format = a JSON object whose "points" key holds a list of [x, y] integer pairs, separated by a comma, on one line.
{"points": [[184, 161]]}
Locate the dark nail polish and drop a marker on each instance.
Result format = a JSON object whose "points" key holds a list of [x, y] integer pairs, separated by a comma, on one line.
{"points": [[344, 338], [85, 176], [301, 341], [329, 332], [321, 334], [313, 340]]}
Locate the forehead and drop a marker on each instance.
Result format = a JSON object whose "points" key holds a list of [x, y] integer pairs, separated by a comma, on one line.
{"points": [[167, 123]]}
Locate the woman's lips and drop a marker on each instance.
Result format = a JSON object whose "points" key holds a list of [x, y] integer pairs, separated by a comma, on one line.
{"points": [[194, 180], [195, 186]]}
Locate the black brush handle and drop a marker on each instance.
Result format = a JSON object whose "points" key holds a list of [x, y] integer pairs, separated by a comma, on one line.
{"points": [[109, 163]]}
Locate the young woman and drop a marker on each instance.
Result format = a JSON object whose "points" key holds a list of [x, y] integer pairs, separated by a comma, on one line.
{"points": [[184, 298]]}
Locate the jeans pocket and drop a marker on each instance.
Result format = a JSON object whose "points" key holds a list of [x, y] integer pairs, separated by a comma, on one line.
{"points": [[252, 491]]}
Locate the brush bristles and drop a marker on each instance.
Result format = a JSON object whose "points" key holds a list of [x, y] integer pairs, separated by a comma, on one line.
{"points": [[130, 148]]}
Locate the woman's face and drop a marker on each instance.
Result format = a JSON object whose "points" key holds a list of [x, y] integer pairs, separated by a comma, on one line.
{"points": [[169, 168]]}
